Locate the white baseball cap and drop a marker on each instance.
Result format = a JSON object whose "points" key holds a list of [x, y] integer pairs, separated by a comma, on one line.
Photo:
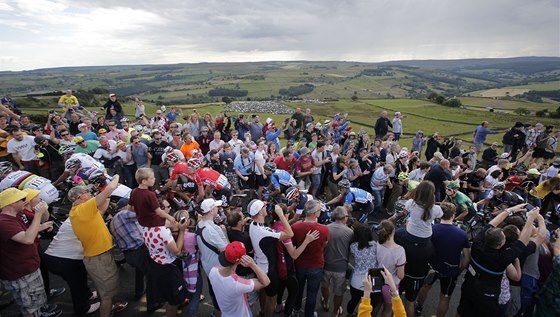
{"points": [[208, 204], [255, 206]]}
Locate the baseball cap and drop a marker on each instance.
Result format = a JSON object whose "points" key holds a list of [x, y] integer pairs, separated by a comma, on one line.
{"points": [[111, 95], [208, 204], [255, 206], [533, 171], [82, 125], [31, 193], [232, 253], [77, 191], [125, 119], [303, 151], [78, 140], [122, 203], [39, 139], [327, 122], [102, 131], [10, 196]]}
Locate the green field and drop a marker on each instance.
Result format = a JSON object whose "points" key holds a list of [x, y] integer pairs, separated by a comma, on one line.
{"points": [[504, 104]]}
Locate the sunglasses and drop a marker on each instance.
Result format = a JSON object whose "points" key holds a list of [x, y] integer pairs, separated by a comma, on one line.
{"points": [[66, 134], [157, 139], [81, 142], [135, 142], [112, 125], [177, 135]]}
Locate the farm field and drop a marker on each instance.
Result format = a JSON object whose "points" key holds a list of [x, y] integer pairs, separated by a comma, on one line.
{"points": [[516, 90], [480, 103]]}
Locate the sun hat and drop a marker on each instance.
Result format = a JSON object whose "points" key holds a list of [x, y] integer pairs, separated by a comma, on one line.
{"points": [[255, 206], [232, 253], [78, 140], [11, 195], [533, 171], [31, 193], [102, 131], [303, 151], [208, 204]]}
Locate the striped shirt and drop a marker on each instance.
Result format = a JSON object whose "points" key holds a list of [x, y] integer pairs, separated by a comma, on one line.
{"points": [[126, 230]]}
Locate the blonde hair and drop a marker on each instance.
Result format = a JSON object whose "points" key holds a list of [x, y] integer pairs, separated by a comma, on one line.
{"points": [[143, 173]]}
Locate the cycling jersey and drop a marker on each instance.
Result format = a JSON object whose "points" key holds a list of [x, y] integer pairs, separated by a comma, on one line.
{"points": [[357, 195], [88, 161], [23, 179], [203, 176], [282, 177], [461, 201], [303, 198], [509, 199]]}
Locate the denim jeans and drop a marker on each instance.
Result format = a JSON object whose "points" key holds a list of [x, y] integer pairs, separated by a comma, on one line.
{"points": [[313, 278], [378, 199]]}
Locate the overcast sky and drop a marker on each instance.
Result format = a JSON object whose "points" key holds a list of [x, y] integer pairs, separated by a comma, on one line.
{"points": [[53, 33]]}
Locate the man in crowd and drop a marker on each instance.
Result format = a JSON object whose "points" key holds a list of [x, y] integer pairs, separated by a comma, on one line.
{"points": [[90, 228]]}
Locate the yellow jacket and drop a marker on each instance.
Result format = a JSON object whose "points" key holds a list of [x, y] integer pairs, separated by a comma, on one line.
{"points": [[365, 308]]}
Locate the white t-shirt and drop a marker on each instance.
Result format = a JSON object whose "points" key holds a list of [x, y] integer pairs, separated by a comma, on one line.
{"points": [[215, 145], [157, 239], [236, 146], [416, 226], [317, 157], [231, 293], [65, 244], [263, 249], [106, 153], [259, 157], [25, 148], [214, 236]]}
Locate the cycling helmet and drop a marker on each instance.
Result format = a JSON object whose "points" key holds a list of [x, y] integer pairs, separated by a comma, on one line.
{"points": [[194, 162], [66, 149], [190, 187], [196, 154], [72, 163], [343, 184], [5, 168], [98, 178], [402, 176], [499, 186], [171, 157], [292, 193], [453, 185], [270, 166]]}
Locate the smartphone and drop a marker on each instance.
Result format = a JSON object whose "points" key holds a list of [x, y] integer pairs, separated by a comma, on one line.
{"points": [[182, 220], [377, 280]]}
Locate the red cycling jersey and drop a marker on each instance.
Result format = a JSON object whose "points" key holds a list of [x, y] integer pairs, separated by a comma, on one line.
{"points": [[206, 176]]}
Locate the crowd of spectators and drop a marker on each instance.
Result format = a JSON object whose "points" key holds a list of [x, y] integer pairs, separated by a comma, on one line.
{"points": [[255, 220]]}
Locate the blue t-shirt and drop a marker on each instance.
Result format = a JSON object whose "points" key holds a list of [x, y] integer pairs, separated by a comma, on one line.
{"points": [[448, 241], [88, 136]]}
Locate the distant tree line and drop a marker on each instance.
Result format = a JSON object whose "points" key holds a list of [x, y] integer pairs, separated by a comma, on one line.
{"points": [[296, 90]]}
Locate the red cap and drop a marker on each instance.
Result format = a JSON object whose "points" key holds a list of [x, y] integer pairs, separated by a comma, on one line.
{"points": [[233, 252]]}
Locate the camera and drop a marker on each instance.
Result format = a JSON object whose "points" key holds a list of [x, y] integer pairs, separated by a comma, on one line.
{"points": [[51, 111], [182, 220]]}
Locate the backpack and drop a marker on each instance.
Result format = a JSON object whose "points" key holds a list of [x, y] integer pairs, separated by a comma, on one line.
{"points": [[542, 140]]}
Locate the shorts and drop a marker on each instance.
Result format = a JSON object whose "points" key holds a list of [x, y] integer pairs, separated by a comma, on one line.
{"points": [[548, 155], [447, 283], [104, 274], [260, 181], [514, 303], [272, 288], [166, 283], [386, 293], [338, 280], [28, 292], [478, 298], [411, 287]]}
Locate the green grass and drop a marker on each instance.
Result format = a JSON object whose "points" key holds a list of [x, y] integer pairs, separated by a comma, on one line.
{"points": [[482, 103]]}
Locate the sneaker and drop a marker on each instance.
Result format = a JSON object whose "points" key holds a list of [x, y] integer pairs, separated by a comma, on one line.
{"points": [[54, 292], [49, 307], [94, 295], [53, 313], [93, 308], [295, 312], [119, 307]]}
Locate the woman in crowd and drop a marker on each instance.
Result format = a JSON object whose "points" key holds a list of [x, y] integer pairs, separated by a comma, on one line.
{"points": [[363, 250]]}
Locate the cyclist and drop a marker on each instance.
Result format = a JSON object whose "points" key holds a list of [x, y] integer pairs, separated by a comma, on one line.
{"points": [[355, 200], [500, 199], [24, 179], [280, 179], [465, 208], [201, 176], [84, 160], [296, 202]]}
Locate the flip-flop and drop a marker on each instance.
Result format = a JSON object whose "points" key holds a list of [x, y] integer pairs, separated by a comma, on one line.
{"points": [[339, 312]]}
